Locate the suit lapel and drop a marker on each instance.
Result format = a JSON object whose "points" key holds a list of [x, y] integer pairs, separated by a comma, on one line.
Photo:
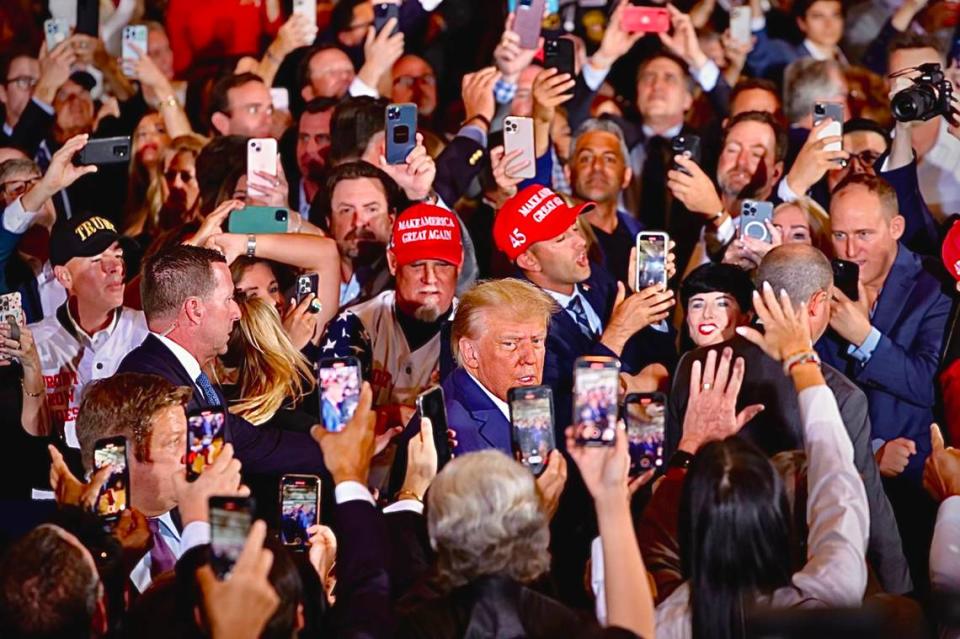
{"points": [[490, 423], [894, 299]]}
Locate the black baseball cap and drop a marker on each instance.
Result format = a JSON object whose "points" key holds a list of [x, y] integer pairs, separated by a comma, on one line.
{"points": [[81, 237]]}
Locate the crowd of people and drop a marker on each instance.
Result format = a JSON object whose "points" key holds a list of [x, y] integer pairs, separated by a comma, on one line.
{"points": [[245, 245]]}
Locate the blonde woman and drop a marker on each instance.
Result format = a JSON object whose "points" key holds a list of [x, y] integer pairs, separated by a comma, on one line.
{"points": [[271, 382], [802, 221]]}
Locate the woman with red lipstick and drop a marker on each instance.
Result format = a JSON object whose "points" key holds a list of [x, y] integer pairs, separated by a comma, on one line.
{"points": [[716, 300]]}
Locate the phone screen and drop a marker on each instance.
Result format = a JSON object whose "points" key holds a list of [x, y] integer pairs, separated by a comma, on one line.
{"points": [[645, 417], [651, 260], [114, 496], [595, 388], [431, 404], [531, 414], [204, 439], [339, 392], [299, 506], [230, 520]]}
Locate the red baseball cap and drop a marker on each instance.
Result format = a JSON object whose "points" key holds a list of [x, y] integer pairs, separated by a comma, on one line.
{"points": [[426, 232], [951, 251], [533, 215]]}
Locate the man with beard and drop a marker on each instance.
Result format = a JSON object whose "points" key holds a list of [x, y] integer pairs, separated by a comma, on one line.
{"points": [[313, 142], [397, 334], [362, 203], [749, 167]]}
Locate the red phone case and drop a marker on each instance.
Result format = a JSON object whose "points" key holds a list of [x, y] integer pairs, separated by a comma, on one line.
{"points": [[646, 19]]}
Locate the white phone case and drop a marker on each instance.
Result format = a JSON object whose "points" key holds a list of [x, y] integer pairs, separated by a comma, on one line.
{"points": [[518, 134], [133, 35], [55, 31], [307, 8], [261, 156], [740, 18]]}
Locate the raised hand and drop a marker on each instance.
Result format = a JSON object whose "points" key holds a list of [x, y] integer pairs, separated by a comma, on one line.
{"points": [[694, 188], [551, 482], [634, 313], [605, 469], [683, 42], [786, 331], [380, 51], [509, 57], [941, 472], [421, 460], [477, 90], [813, 161], [616, 41], [222, 477], [415, 176]]}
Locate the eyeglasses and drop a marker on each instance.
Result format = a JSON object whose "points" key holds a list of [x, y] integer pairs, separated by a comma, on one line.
{"points": [[407, 81], [16, 188], [25, 82], [866, 158], [171, 176]]}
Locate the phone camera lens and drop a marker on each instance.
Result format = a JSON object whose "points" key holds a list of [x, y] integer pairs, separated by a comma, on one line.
{"points": [[280, 215]]}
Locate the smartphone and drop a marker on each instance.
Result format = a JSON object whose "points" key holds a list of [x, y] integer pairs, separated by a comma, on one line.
{"points": [[382, 12], [596, 382], [834, 111], [645, 416], [339, 391], [99, 151], [11, 312], [258, 219], [740, 20], [753, 213], [205, 439], [401, 132], [306, 8], [261, 157], [652, 249], [280, 98], [528, 18], [846, 277], [645, 19], [306, 284], [531, 414], [133, 35], [430, 403], [518, 134], [55, 31], [114, 496], [688, 145], [299, 508], [88, 17], [558, 54], [230, 521]]}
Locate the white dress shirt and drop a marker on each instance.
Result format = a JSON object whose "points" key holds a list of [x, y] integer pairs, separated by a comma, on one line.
{"points": [[194, 534], [499, 403], [564, 301]]}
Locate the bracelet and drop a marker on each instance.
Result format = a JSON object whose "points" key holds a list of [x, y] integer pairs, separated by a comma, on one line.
{"points": [[169, 101], [804, 357], [482, 118], [28, 393], [251, 245], [408, 494]]}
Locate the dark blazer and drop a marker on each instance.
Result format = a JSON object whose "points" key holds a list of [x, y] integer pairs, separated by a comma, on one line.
{"points": [[900, 378], [457, 165], [32, 128], [473, 415], [261, 449], [778, 429]]}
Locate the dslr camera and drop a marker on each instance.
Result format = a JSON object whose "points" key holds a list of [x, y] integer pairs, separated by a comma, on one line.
{"points": [[931, 95]]}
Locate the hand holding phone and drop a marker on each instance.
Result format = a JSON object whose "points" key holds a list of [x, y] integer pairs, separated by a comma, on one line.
{"points": [[431, 404], [261, 158], [114, 496], [383, 12], [230, 521], [754, 216], [134, 44], [531, 414], [518, 136], [527, 22], [558, 54], [596, 383], [846, 277], [339, 391], [645, 416], [401, 132], [636, 19], [651, 259], [205, 439], [299, 508], [834, 112], [114, 150]]}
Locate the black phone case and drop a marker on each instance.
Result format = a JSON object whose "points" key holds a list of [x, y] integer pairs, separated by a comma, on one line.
{"points": [[558, 54], [114, 150], [846, 277], [382, 12], [88, 17]]}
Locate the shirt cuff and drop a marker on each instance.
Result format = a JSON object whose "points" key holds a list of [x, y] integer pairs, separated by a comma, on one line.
{"points": [[358, 88], [404, 505], [661, 326], [785, 193], [758, 23], [876, 444], [475, 133], [352, 491], [707, 75], [430, 5], [593, 77], [864, 352], [196, 533], [726, 231], [16, 219], [43, 105], [597, 579]]}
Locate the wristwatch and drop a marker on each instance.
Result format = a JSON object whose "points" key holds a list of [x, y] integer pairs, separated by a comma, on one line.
{"points": [[251, 245]]}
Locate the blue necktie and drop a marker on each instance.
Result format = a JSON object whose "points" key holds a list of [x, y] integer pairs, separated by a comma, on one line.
{"points": [[576, 307], [209, 392]]}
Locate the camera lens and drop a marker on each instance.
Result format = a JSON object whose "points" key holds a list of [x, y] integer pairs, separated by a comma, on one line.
{"points": [[119, 151], [280, 215], [914, 103]]}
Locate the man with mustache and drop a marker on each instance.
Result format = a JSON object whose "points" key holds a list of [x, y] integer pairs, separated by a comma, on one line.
{"points": [[398, 335], [89, 335]]}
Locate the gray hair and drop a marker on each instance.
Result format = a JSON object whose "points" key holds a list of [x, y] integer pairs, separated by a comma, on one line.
{"points": [[485, 517], [17, 165], [600, 124], [799, 269], [804, 82]]}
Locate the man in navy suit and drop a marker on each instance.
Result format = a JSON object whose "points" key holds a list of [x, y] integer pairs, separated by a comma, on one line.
{"points": [[889, 341], [543, 237], [189, 303]]}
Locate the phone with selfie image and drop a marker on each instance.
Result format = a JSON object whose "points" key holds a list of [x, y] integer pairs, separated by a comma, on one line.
{"points": [[261, 157], [846, 277], [205, 439], [339, 391], [753, 217], [518, 135], [11, 314], [558, 54], [382, 13], [114, 496], [531, 417], [596, 384], [299, 508], [431, 404], [133, 36], [527, 22], [401, 132], [230, 521], [740, 20], [645, 415], [55, 31], [687, 145], [833, 111], [636, 19], [652, 247]]}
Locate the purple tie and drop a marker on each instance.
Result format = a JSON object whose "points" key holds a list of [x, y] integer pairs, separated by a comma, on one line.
{"points": [[162, 558]]}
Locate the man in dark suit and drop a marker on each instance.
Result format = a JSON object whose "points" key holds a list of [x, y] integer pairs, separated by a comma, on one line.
{"points": [[820, 21], [543, 237], [189, 303], [806, 275]]}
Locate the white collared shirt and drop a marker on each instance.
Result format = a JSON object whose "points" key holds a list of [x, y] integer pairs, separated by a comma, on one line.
{"points": [[188, 361], [939, 174], [564, 301], [194, 534], [499, 403]]}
